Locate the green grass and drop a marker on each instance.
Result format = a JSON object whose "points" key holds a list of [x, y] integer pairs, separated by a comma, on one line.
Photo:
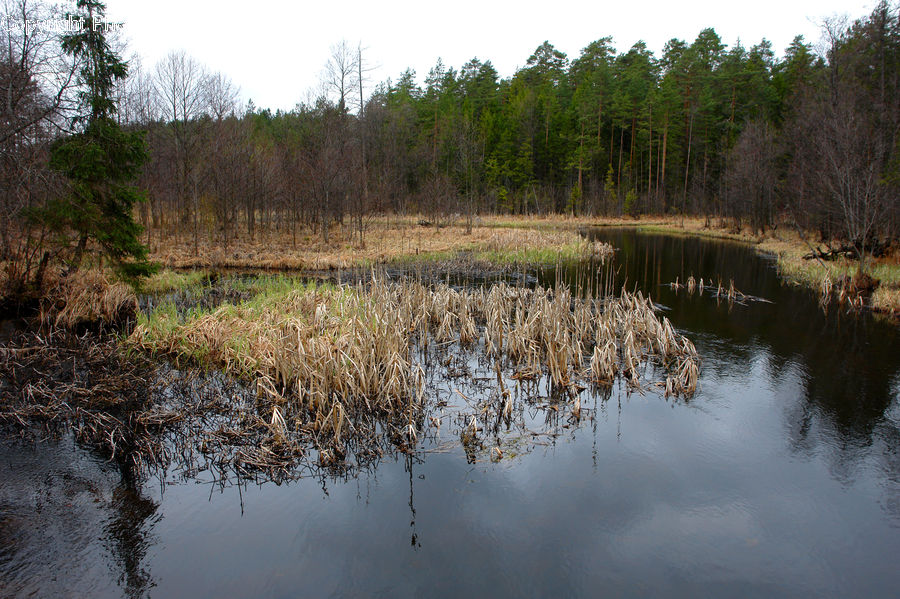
{"points": [[168, 280], [811, 272], [268, 293], [888, 274], [534, 256]]}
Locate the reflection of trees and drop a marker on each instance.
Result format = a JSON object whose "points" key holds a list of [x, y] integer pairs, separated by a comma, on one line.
{"points": [[128, 529], [847, 361], [127, 537], [55, 502]]}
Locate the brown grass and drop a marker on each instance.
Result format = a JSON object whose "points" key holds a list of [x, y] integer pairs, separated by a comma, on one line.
{"points": [[89, 298], [57, 378], [389, 238], [325, 356]]}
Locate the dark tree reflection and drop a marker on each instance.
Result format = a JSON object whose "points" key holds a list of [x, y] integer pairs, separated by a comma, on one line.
{"points": [[846, 363]]}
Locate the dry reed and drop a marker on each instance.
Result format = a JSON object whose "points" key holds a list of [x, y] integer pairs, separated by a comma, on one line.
{"points": [[87, 298], [325, 357]]}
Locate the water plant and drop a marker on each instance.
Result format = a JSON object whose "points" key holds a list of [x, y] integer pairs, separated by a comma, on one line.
{"points": [[334, 359]]}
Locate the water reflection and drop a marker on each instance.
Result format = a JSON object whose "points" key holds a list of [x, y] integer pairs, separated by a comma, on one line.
{"points": [[129, 537], [61, 511], [843, 362], [781, 477]]}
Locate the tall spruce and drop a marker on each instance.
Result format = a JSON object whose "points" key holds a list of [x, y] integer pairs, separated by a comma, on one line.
{"points": [[100, 160]]}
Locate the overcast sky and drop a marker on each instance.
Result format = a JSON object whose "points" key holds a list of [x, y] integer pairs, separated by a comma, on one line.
{"points": [[275, 51]]}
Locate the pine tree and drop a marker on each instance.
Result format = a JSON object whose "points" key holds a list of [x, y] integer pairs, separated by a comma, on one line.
{"points": [[101, 160]]}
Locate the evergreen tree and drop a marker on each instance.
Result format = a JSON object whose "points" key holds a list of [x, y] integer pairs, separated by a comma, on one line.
{"points": [[101, 160]]}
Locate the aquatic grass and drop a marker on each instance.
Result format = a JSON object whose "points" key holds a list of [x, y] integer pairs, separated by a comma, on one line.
{"points": [[327, 356], [167, 280], [89, 298]]}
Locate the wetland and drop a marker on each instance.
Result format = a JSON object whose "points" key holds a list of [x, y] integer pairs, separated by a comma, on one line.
{"points": [[509, 453]]}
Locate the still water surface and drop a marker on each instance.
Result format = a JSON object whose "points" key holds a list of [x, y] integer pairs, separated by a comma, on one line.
{"points": [[779, 478]]}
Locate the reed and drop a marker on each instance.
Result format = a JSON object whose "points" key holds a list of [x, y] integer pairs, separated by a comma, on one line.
{"points": [[390, 240], [324, 356], [88, 299]]}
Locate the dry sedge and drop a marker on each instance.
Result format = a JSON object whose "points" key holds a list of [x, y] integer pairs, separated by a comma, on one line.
{"points": [[325, 355], [88, 298], [389, 240]]}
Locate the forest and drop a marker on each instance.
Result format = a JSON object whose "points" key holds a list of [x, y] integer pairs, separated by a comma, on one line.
{"points": [[739, 134]]}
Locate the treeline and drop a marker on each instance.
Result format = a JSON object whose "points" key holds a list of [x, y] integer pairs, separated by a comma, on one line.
{"points": [[734, 133]]}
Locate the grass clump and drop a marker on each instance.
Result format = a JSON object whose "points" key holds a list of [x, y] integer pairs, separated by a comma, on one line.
{"points": [[532, 246], [89, 299], [340, 361], [167, 280]]}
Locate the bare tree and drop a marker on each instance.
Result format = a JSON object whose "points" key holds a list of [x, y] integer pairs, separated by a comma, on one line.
{"points": [[750, 176], [36, 77], [363, 204], [181, 84], [225, 141], [846, 156], [221, 96], [844, 135], [342, 72], [138, 102], [37, 96]]}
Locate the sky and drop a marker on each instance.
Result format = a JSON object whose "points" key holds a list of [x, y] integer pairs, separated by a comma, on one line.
{"points": [[276, 51]]}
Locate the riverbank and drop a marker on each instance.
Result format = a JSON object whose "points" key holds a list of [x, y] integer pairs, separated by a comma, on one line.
{"points": [[508, 240], [789, 247]]}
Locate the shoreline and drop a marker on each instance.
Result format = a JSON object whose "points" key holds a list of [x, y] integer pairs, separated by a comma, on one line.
{"points": [[392, 239]]}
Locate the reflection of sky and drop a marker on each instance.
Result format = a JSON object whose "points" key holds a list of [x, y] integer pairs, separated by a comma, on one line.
{"points": [[893, 413], [707, 497]]}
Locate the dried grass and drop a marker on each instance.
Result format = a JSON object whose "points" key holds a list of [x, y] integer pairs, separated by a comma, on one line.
{"points": [[85, 382], [390, 239], [88, 299], [327, 355]]}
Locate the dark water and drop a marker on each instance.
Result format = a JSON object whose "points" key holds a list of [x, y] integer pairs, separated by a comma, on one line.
{"points": [[780, 477]]}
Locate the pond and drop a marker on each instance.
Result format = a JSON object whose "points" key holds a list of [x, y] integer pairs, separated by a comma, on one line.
{"points": [[780, 477]]}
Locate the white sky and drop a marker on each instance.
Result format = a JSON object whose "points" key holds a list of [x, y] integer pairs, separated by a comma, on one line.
{"points": [[275, 51]]}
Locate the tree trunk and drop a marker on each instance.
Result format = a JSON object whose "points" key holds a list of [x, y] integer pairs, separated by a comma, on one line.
{"points": [[79, 254], [687, 169], [662, 168], [650, 158]]}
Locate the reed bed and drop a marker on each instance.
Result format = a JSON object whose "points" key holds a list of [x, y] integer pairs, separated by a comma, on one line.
{"points": [[386, 243], [337, 361], [89, 299], [333, 376]]}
